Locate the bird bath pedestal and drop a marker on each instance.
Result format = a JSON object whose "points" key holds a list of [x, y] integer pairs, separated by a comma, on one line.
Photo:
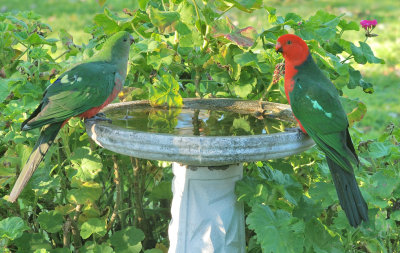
{"points": [[205, 214]]}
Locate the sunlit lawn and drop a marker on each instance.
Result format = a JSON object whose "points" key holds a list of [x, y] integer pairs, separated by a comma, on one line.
{"points": [[383, 105]]}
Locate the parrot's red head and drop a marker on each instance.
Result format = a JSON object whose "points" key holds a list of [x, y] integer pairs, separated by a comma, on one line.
{"points": [[293, 48]]}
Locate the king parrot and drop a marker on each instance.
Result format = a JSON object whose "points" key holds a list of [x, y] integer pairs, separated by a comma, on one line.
{"points": [[81, 91], [316, 106]]}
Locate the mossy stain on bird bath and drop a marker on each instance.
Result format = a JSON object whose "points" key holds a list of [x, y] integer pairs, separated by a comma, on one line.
{"points": [[195, 122]]}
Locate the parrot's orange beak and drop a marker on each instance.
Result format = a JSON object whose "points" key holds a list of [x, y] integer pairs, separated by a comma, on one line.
{"points": [[131, 38], [278, 47]]}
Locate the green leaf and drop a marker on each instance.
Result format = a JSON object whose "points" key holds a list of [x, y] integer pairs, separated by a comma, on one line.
{"points": [[117, 19], [395, 215], [219, 75], [307, 209], [153, 251], [66, 39], [160, 57], [348, 26], [251, 191], [93, 226], [87, 164], [364, 54], [369, 55], [165, 92], [246, 59], [127, 240], [36, 39], [355, 77], [319, 238], [383, 182], [324, 192], [29, 242], [366, 86], [245, 5], [164, 20], [51, 221], [86, 192], [12, 228], [109, 26], [378, 149], [4, 92], [354, 108], [277, 232], [91, 247], [161, 191], [245, 85]]}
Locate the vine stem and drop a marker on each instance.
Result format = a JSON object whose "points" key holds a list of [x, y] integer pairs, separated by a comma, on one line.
{"points": [[61, 55], [198, 16], [118, 197], [197, 80], [136, 31], [77, 242]]}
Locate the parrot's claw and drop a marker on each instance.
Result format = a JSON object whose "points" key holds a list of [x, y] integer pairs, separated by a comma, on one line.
{"points": [[293, 129], [99, 116]]}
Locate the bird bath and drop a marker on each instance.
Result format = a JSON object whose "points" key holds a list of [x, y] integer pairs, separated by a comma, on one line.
{"points": [[207, 140]]}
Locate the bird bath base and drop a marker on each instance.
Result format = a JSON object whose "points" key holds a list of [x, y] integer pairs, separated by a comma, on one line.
{"points": [[205, 214]]}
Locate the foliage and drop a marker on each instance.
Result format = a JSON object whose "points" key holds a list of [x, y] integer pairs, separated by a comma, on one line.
{"points": [[84, 197]]}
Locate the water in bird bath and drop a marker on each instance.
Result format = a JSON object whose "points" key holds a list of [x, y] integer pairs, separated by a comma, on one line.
{"points": [[199, 122]]}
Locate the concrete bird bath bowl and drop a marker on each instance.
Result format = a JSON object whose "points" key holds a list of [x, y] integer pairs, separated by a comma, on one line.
{"points": [[207, 140]]}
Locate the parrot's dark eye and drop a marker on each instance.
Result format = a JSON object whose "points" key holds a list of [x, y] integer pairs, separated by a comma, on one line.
{"points": [[289, 42], [125, 39]]}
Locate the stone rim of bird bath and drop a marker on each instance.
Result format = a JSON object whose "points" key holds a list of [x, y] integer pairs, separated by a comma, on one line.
{"points": [[202, 150]]}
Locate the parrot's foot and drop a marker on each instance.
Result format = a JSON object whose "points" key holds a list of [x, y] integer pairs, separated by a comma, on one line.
{"points": [[99, 116], [293, 129]]}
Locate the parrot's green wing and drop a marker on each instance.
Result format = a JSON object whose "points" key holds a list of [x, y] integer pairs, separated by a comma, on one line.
{"points": [[83, 87], [315, 103]]}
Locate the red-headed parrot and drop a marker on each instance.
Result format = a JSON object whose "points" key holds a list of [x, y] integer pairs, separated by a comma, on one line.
{"points": [[316, 106], [81, 91]]}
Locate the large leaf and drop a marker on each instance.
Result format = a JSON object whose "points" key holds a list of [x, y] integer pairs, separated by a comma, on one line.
{"points": [[84, 192], [165, 92], [51, 221], [91, 247], [93, 226], [276, 232], [29, 242], [12, 228], [364, 54], [127, 240], [87, 164], [320, 238], [164, 20]]}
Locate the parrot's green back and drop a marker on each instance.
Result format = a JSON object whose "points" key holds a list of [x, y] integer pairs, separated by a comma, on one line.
{"points": [[81, 91]]}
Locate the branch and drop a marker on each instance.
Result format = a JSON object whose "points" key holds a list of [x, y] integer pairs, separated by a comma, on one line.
{"points": [[77, 242], [118, 198]]}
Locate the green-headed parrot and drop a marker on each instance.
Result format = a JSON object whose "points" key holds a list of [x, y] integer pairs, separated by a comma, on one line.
{"points": [[81, 91], [316, 106]]}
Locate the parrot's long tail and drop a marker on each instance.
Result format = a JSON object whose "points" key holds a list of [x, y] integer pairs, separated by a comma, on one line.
{"points": [[46, 138], [349, 194]]}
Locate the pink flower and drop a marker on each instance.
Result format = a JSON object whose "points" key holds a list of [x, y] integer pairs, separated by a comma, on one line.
{"points": [[368, 24]]}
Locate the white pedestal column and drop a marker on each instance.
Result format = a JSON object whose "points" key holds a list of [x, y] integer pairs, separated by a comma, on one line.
{"points": [[205, 215]]}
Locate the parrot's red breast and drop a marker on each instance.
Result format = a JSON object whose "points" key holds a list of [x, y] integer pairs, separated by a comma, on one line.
{"points": [[295, 54]]}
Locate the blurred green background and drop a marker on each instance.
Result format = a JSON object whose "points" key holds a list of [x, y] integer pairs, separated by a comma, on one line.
{"points": [[383, 105]]}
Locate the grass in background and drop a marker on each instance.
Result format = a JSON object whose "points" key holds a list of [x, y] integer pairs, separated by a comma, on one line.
{"points": [[383, 105]]}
